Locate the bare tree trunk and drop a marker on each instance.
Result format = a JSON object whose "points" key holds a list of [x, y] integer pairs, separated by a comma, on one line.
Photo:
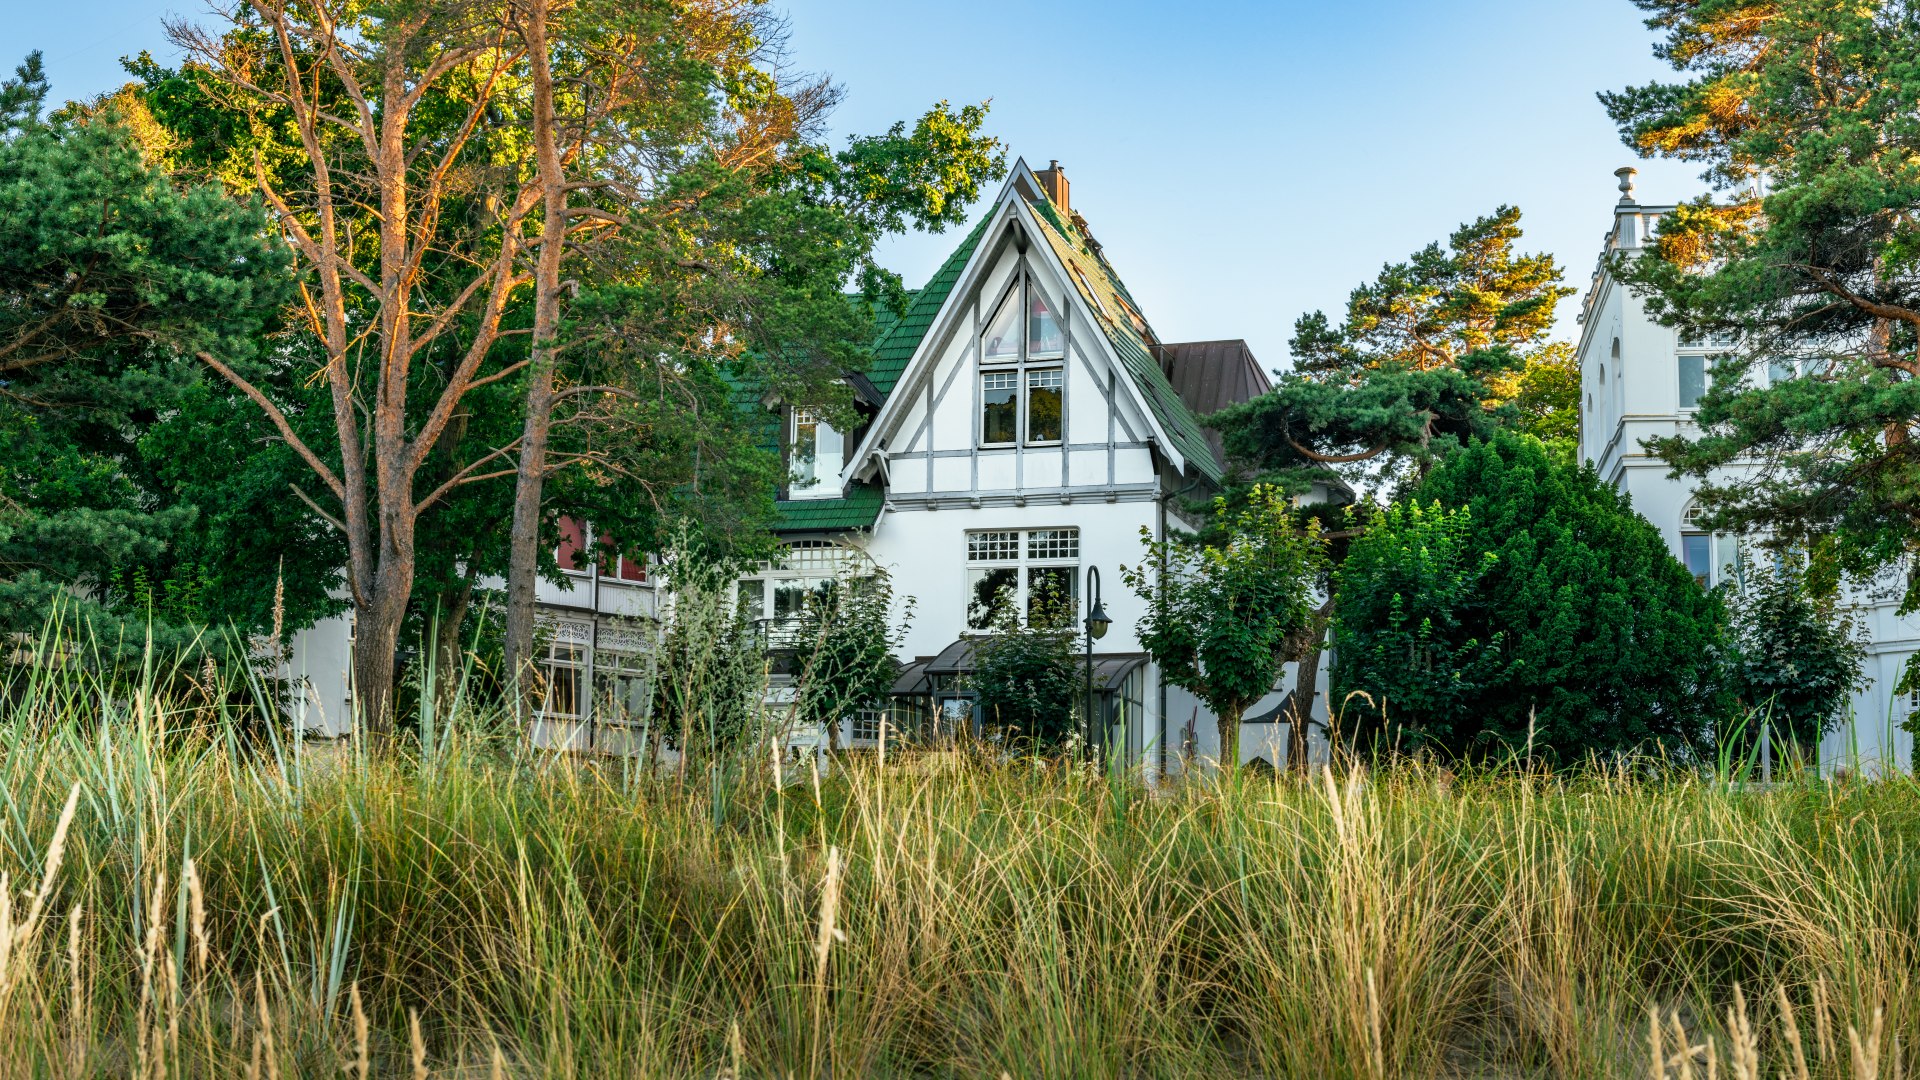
{"points": [[1306, 686], [1229, 720], [523, 559]]}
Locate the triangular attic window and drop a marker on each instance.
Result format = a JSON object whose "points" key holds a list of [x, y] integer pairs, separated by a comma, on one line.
{"points": [[1044, 337], [1003, 333]]}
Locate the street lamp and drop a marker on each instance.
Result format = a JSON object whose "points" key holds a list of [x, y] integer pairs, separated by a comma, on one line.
{"points": [[1097, 623]]}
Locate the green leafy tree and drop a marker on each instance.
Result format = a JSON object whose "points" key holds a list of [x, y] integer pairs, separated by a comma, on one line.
{"points": [[1804, 116], [1224, 614], [1578, 629], [846, 641], [111, 277], [1797, 654]]}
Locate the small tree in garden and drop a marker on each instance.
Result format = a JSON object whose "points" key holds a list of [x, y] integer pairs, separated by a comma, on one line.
{"points": [[847, 641], [710, 670], [1796, 654], [1223, 616], [1027, 676]]}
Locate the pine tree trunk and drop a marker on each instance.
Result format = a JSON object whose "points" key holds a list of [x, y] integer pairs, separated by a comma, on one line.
{"points": [[523, 559], [379, 614]]}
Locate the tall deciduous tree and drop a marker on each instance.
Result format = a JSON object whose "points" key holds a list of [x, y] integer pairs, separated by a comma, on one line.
{"points": [[383, 103], [1224, 614], [689, 204], [1805, 116], [110, 278]]}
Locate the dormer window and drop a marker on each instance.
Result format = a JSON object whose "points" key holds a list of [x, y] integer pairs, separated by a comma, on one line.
{"points": [[1023, 381], [816, 454]]}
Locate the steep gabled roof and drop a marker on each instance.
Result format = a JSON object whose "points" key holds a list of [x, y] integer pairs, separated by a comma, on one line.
{"points": [[1127, 330], [900, 336]]}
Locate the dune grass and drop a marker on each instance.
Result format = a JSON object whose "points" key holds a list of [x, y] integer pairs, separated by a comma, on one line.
{"points": [[189, 896]]}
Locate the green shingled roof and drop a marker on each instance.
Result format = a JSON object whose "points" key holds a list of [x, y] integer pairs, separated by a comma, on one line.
{"points": [[859, 508], [899, 339], [1116, 312]]}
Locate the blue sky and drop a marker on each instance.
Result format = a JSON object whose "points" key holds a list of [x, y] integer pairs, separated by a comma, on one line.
{"points": [[1241, 162]]}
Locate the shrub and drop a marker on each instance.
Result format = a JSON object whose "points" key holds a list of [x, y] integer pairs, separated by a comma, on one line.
{"points": [[1582, 632]]}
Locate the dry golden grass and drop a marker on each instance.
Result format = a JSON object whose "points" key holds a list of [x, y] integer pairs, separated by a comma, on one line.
{"points": [[189, 904]]}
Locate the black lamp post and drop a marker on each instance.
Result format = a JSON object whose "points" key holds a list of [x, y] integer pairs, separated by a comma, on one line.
{"points": [[1097, 623]]}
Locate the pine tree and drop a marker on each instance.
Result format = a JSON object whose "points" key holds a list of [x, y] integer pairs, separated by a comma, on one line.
{"points": [[110, 278], [1804, 114], [1572, 627]]}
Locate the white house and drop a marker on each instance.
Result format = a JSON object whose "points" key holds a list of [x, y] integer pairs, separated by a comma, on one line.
{"points": [[1022, 426], [1639, 380]]}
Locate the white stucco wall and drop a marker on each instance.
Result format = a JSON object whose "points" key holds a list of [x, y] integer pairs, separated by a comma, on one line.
{"points": [[1639, 398]]}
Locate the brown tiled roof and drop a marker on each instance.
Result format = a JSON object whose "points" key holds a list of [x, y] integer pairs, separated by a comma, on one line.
{"points": [[1211, 375]]}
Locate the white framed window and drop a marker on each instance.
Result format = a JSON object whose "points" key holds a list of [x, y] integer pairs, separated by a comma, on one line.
{"points": [[1034, 573], [1023, 378], [1712, 558], [1693, 379], [774, 597], [578, 538], [565, 666], [816, 454]]}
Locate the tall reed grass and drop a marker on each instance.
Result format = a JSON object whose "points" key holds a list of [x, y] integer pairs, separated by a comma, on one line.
{"points": [[189, 895]]}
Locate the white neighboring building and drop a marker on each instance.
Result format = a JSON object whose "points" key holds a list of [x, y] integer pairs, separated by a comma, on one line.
{"points": [[1639, 380]]}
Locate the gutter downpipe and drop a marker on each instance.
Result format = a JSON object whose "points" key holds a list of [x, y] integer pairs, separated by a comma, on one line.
{"points": [[1159, 678]]}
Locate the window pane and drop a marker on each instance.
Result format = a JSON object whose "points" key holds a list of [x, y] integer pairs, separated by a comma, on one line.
{"points": [[1044, 336], [1696, 552], [999, 409], [806, 432], [1051, 595], [1003, 333], [990, 595], [1053, 544], [790, 597], [1779, 371], [753, 599], [1726, 558], [572, 539], [1043, 405], [993, 546], [1693, 380]]}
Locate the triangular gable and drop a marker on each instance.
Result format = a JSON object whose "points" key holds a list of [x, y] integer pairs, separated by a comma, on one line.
{"points": [[1100, 298]]}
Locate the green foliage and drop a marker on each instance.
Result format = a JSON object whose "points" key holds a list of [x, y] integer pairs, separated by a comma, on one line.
{"points": [[110, 278], [847, 639], [710, 670], [1028, 675], [1406, 624], [1224, 614], [1796, 655], [1559, 607], [1804, 114], [1424, 358]]}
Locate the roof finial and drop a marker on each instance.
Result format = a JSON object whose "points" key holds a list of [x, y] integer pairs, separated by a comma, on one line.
{"points": [[1626, 173]]}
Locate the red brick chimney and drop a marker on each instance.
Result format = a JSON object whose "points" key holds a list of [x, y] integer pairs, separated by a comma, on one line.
{"points": [[1053, 181]]}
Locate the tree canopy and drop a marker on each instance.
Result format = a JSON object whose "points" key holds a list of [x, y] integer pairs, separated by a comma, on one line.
{"points": [[1428, 355], [111, 276]]}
